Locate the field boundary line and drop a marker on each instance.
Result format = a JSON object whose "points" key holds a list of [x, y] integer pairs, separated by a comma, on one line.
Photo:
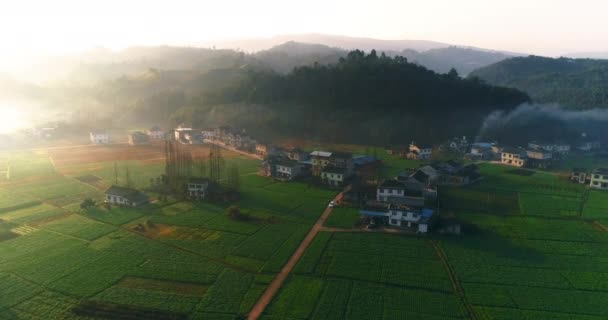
{"points": [[600, 225], [458, 290]]}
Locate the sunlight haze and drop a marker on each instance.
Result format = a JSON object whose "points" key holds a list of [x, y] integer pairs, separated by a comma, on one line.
{"points": [[545, 27]]}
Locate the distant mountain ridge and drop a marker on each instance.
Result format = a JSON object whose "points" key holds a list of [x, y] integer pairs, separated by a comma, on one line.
{"points": [[342, 42], [573, 83]]}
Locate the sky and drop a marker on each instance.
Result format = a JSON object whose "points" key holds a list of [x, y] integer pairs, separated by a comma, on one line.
{"points": [[545, 27]]}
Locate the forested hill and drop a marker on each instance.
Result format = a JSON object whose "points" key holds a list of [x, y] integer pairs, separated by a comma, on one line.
{"points": [[573, 83], [371, 97]]}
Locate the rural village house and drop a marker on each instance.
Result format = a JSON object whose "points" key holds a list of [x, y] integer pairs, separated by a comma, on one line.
{"points": [[419, 151], [125, 196], [288, 169], [539, 158], [599, 179], [483, 151], [397, 206], [297, 154], [99, 137], [264, 149], [137, 138], [579, 175], [513, 157], [333, 176], [555, 148], [198, 188]]}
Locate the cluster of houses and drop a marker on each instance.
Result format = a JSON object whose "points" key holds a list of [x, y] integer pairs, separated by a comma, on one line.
{"points": [[404, 200], [331, 168]]}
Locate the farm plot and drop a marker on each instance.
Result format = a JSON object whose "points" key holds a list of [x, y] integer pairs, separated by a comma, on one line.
{"points": [[596, 206], [78, 226], [363, 276], [35, 213], [343, 217], [479, 200], [190, 261], [30, 165], [528, 268], [545, 205]]}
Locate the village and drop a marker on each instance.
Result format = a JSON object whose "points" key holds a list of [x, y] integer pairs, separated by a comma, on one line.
{"points": [[408, 201]]}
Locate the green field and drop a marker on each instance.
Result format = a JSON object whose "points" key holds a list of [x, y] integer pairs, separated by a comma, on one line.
{"points": [[533, 248], [197, 263], [530, 251], [367, 276]]}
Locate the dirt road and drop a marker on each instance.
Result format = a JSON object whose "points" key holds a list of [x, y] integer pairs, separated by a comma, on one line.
{"points": [[276, 284], [251, 155]]}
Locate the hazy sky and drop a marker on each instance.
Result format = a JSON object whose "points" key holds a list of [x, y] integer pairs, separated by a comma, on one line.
{"points": [[549, 27]]}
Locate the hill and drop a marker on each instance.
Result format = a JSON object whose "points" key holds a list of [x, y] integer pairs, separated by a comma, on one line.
{"points": [[573, 83], [463, 59], [378, 99], [343, 42]]}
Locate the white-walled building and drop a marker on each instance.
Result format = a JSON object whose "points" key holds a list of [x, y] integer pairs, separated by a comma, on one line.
{"points": [[99, 137], [333, 176], [287, 170], [125, 196], [599, 179]]}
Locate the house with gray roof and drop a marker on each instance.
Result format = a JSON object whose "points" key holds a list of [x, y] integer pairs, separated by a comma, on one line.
{"points": [[125, 196]]}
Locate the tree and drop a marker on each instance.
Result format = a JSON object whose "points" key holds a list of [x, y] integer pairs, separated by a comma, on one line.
{"points": [[87, 203], [453, 74]]}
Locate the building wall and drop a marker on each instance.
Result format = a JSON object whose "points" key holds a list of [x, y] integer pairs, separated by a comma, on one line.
{"points": [[382, 194], [512, 159], [333, 179], [599, 181], [117, 200], [99, 138]]}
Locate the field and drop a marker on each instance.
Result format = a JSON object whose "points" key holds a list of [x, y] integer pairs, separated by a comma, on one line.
{"points": [[192, 261], [368, 276], [533, 250], [535, 247]]}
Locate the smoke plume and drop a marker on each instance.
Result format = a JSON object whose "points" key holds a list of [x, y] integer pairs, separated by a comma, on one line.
{"points": [[548, 122]]}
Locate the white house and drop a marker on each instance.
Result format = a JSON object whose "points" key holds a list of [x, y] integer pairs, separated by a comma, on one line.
{"points": [[513, 157], [599, 179], [287, 170], [396, 192], [401, 216], [579, 175], [125, 196], [419, 152], [99, 137], [198, 188], [156, 133]]}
